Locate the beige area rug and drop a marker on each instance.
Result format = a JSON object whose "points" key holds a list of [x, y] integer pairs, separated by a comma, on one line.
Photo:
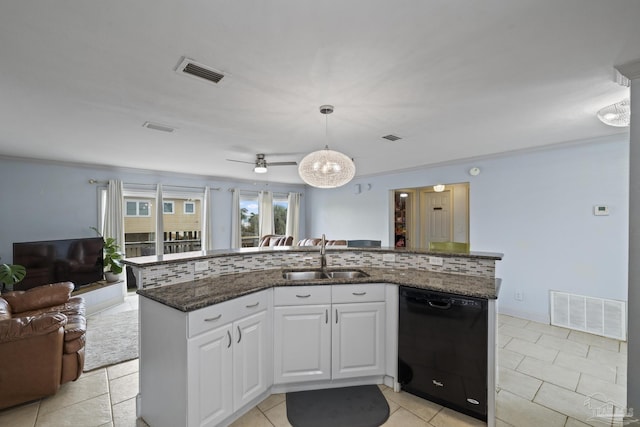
{"points": [[111, 339]]}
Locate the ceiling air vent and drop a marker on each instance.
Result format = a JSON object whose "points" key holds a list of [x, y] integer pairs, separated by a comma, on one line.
{"points": [[391, 137], [158, 126], [199, 71]]}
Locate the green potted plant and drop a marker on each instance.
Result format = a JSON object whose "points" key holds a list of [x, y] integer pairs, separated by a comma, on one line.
{"points": [[10, 274], [112, 258]]}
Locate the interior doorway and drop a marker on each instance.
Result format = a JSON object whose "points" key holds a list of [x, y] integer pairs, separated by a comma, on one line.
{"points": [[430, 214]]}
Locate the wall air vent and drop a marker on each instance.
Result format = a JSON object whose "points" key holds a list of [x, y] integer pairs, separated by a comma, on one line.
{"points": [[391, 137], [158, 126], [199, 71], [598, 316]]}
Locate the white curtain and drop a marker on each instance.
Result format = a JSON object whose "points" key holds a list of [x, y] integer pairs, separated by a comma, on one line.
{"points": [[236, 241], [206, 237], [113, 224], [159, 221], [265, 201], [293, 217]]}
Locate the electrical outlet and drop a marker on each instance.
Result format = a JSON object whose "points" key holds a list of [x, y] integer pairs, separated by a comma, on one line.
{"points": [[436, 260], [388, 257], [519, 295], [202, 265]]}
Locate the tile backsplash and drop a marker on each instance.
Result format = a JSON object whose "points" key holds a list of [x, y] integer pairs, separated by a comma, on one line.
{"points": [[184, 271]]}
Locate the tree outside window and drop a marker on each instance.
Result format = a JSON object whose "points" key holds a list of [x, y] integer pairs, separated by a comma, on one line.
{"points": [[249, 220], [280, 206]]}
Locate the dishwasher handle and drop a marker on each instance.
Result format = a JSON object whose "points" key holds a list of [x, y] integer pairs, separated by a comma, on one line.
{"points": [[440, 305], [434, 303]]}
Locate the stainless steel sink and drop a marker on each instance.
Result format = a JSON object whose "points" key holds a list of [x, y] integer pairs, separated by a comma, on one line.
{"points": [[304, 275], [347, 274], [319, 274]]}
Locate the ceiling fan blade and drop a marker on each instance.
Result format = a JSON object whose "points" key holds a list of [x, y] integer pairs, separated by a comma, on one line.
{"points": [[241, 161], [282, 163]]}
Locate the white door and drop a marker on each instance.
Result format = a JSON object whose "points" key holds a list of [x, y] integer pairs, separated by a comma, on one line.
{"points": [[209, 393], [302, 343], [251, 358], [358, 345], [436, 211]]}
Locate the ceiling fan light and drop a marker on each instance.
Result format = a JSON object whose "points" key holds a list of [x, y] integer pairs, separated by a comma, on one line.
{"points": [[618, 114], [326, 169], [260, 169]]}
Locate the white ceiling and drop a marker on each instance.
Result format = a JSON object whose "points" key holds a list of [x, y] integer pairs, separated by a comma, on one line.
{"points": [[455, 79]]}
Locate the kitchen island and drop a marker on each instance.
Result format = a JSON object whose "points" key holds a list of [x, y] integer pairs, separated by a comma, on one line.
{"points": [[220, 331]]}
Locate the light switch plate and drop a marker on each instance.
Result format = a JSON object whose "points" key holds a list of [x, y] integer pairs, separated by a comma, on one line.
{"points": [[202, 265], [435, 260], [388, 257]]}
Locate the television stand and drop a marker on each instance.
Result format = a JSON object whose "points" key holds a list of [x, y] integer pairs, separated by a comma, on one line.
{"points": [[99, 296]]}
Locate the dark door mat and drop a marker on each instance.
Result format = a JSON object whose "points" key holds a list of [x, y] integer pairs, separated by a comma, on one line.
{"points": [[359, 406]]}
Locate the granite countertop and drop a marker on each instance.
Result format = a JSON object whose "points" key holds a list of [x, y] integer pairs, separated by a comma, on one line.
{"points": [[189, 296]]}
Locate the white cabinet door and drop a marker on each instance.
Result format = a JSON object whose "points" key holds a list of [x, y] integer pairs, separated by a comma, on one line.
{"points": [[358, 332], [209, 392], [251, 358], [302, 343]]}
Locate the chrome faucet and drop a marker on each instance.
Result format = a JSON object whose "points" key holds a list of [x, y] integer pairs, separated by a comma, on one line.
{"points": [[323, 251]]}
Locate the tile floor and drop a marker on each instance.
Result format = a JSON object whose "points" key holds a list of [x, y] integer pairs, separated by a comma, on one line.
{"points": [[547, 376]]}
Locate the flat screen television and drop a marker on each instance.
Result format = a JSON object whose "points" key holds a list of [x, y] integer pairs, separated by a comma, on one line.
{"points": [[72, 260]]}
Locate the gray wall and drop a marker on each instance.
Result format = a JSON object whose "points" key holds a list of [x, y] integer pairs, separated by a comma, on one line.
{"points": [[46, 201], [536, 208], [633, 352]]}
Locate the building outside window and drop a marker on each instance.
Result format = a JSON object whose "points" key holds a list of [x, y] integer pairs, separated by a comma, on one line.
{"points": [[139, 226], [189, 208], [137, 207], [168, 207]]}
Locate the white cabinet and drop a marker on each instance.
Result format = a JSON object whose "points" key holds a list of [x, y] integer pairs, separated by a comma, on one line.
{"points": [[198, 368], [357, 343], [251, 358], [328, 332], [210, 377], [302, 343], [302, 334]]}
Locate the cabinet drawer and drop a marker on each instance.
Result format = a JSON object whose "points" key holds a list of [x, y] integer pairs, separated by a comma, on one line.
{"points": [[366, 292], [302, 295], [217, 315]]}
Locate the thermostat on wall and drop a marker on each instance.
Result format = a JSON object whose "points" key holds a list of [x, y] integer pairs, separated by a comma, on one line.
{"points": [[601, 210]]}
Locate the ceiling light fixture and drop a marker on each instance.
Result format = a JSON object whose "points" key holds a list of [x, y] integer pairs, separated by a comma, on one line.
{"points": [[326, 168], [261, 166], [438, 188], [618, 114]]}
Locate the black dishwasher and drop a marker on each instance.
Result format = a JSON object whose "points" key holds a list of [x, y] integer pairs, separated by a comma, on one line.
{"points": [[442, 349]]}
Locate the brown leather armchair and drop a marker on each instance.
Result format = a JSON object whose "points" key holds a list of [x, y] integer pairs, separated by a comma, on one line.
{"points": [[42, 337]]}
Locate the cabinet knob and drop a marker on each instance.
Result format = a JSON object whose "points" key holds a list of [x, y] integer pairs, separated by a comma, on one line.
{"points": [[303, 296], [213, 319], [253, 305], [359, 294]]}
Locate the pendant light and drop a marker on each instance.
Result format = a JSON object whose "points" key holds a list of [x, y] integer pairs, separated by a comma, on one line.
{"points": [[326, 168], [618, 114]]}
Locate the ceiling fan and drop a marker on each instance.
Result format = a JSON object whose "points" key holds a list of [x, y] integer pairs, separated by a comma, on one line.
{"points": [[261, 163]]}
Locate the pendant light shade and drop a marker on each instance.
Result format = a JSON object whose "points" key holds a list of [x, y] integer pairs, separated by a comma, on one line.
{"points": [[326, 168], [618, 114]]}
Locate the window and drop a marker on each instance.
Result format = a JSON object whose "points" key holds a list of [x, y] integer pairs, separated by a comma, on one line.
{"points": [[168, 207], [280, 206], [249, 220], [182, 230], [139, 225], [189, 208], [138, 208]]}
